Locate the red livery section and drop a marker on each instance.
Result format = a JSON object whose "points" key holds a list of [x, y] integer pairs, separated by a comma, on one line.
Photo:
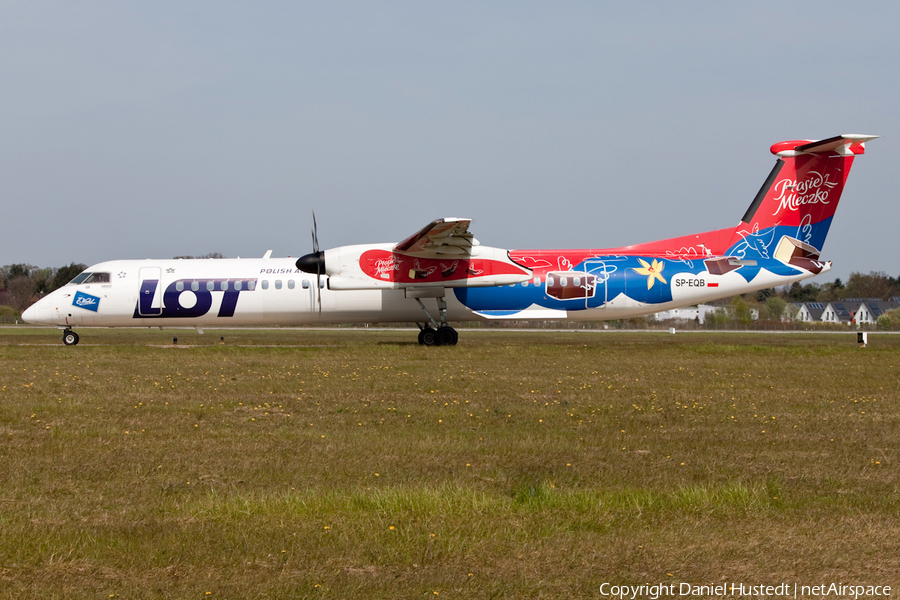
{"points": [[807, 188], [399, 268], [690, 247]]}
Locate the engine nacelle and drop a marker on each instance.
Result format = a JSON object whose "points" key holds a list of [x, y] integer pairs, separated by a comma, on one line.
{"points": [[377, 266]]}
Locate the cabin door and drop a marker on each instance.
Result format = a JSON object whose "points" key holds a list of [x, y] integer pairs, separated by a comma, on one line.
{"points": [[598, 272], [150, 292]]}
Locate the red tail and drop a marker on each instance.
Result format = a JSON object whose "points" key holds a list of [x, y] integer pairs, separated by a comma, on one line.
{"points": [[800, 195]]}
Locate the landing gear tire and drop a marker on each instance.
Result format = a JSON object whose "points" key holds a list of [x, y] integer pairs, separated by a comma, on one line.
{"points": [[446, 336], [70, 338], [428, 337]]}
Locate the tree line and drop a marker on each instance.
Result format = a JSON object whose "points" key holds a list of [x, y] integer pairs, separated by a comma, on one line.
{"points": [[875, 284], [777, 304], [24, 284]]}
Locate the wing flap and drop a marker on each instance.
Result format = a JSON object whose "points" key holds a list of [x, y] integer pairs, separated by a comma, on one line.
{"points": [[440, 238]]}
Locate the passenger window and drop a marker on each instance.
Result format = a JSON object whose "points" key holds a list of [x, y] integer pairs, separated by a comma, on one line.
{"points": [[305, 284], [265, 284], [237, 286], [576, 281], [223, 286], [290, 284], [210, 286], [563, 281], [251, 285], [537, 281], [179, 285], [549, 280], [277, 284], [195, 286], [322, 284]]}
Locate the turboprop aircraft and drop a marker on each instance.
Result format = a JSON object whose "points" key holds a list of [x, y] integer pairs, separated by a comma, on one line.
{"points": [[441, 273]]}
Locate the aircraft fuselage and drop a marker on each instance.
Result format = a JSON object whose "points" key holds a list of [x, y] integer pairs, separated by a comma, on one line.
{"points": [[272, 291]]}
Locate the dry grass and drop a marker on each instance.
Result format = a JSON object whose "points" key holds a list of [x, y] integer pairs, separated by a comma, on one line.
{"points": [[342, 464]]}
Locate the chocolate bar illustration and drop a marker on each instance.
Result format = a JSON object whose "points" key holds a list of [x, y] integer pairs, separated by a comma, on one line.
{"points": [[418, 272], [720, 266], [799, 254], [567, 285]]}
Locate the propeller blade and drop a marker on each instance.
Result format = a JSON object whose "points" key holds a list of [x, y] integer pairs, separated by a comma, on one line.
{"points": [[315, 234], [319, 293]]}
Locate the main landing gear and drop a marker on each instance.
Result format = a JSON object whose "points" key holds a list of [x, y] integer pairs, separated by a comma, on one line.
{"points": [[69, 338], [442, 336], [438, 335]]}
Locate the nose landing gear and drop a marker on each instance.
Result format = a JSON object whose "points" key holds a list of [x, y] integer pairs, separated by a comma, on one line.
{"points": [[70, 338]]}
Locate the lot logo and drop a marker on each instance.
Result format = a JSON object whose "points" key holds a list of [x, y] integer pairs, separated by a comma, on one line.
{"points": [[190, 297], [86, 301]]}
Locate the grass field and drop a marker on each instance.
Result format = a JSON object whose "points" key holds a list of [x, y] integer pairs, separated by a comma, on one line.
{"points": [[357, 464]]}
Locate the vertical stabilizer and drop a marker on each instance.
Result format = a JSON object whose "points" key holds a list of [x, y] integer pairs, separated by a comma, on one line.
{"points": [[799, 198]]}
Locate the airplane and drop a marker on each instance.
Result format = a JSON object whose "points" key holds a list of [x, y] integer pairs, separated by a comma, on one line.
{"points": [[442, 273]]}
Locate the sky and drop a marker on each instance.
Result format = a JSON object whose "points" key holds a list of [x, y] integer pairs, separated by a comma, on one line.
{"points": [[159, 129]]}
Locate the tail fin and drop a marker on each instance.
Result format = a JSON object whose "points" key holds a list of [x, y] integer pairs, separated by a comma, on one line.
{"points": [[799, 198]]}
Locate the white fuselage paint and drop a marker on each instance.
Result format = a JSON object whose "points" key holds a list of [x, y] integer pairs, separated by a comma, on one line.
{"points": [[283, 295]]}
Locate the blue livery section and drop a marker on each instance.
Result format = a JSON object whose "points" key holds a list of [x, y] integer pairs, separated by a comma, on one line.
{"points": [[598, 280], [590, 284], [762, 244]]}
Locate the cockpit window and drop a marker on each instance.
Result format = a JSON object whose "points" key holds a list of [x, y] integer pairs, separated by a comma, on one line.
{"points": [[87, 277]]}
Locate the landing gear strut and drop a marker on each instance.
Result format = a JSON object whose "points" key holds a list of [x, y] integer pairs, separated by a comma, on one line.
{"points": [[69, 338], [439, 335]]}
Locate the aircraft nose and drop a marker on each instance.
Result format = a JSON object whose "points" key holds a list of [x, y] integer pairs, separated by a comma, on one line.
{"points": [[36, 313], [30, 314]]}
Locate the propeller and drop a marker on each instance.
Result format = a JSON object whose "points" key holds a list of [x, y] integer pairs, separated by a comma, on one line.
{"points": [[314, 263], [319, 263]]}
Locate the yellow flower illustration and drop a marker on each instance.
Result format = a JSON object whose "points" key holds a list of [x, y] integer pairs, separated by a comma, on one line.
{"points": [[653, 272]]}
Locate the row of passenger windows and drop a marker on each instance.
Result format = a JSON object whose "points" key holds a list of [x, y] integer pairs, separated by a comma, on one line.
{"points": [[564, 281], [290, 284], [239, 285], [551, 281], [211, 286]]}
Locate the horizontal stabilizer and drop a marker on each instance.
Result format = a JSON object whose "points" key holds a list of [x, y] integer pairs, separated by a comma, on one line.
{"points": [[849, 144]]}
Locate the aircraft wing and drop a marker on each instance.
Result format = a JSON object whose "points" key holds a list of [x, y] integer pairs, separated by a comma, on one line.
{"points": [[442, 238], [443, 254]]}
